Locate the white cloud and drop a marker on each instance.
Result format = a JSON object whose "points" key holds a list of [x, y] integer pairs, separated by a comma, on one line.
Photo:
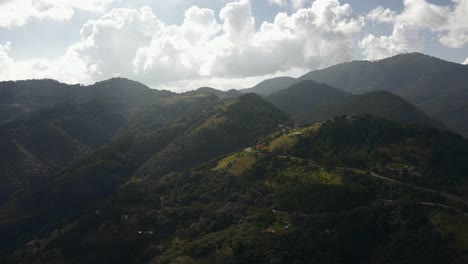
{"points": [[381, 15], [20, 12], [465, 62], [418, 16], [282, 3], [311, 38], [88, 5], [136, 44], [110, 43], [295, 4], [5, 59], [67, 68], [238, 19], [405, 38]]}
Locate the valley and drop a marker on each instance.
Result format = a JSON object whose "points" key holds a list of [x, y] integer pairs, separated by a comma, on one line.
{"points": [[117, 172]]}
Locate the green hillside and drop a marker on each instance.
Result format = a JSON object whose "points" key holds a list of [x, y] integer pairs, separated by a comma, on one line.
{"points": [[270, 86], [198, 134], [305, 96], [435, 86], [229, 126], [310, 102], [378, 103], [230, 94], [266, 206], [17, 97], [119, 173]]}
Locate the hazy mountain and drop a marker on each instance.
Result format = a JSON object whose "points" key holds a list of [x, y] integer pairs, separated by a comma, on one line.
{"points": [[379, 103], [17, 97], [309, 102], [435, 86], [271, 85], [305, 96], [221, 94]]}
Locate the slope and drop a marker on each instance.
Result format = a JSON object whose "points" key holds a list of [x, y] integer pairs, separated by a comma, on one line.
{"points": [[435, 86], [271, 85], [18, 97], [379, 103], [187, 130], [310, 102], [221, 94], [305, 96], [264, 207], [233, 124]]}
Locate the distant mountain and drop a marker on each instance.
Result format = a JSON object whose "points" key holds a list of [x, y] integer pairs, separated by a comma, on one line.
{"points": [[309, 102], [435, 86], [305, 96], [221, 94], [271, 85], [18, 97]]}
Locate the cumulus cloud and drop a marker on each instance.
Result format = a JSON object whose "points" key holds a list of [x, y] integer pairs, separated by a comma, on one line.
{"points": [[295, 4], [310, 38], [110, 43], [418, 16], [405, 38], [68, 68], [5, 59], [202, 49], [19, 12], [381, 15]]}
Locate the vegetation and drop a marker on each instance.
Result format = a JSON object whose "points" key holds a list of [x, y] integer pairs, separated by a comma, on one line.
{"points": [[435, 86], [310, 102], [203, 177]]}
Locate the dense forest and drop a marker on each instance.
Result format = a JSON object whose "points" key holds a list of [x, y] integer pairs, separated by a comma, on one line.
{"points": [[119, 173]]}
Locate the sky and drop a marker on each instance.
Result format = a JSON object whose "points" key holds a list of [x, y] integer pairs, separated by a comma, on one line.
{"points": [[181, 45]]}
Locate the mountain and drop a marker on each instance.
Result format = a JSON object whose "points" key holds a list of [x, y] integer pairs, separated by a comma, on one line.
{"points": [[310, 102], [227, 127], [58, 123], [39, 143], [175, 134], [271, 85], [373, 143], [437, 87], [147, 176], [379, 103], [221, 94], [18, 97], [266, 205], [304, 96]]}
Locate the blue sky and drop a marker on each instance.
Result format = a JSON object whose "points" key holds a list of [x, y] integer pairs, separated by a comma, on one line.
{"points": [[218, 44]]}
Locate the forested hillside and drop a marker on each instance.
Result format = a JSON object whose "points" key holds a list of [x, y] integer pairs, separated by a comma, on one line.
{"points": [[119, 173]]}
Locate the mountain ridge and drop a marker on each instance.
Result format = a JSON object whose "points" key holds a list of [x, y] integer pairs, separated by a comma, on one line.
{"points": [[436, 86]]}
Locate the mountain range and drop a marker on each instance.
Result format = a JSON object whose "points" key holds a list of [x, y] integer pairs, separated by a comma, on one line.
{"points": [[435, 86], [304, 171]]}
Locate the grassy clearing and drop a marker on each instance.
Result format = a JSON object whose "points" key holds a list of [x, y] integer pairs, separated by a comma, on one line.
{"points": [[286, 142], [453, 226], [306, 175], [282, 143], [237, 163]]}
